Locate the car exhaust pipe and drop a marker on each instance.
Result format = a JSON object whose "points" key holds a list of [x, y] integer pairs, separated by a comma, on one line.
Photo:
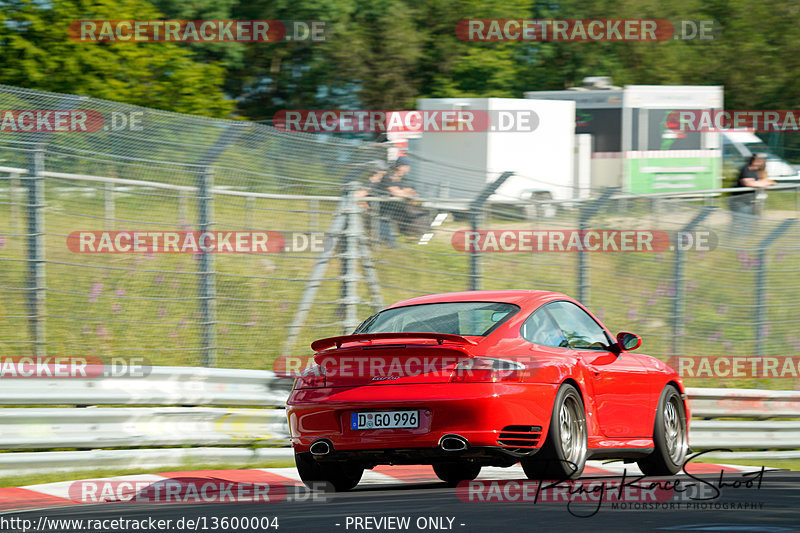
{"points": [[321, 447], [453, 443]]}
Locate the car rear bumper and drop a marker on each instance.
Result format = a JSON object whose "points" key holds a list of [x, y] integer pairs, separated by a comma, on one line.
{"points": [[481, 413]]}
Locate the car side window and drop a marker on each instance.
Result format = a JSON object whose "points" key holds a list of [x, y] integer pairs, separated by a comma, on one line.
{"points": [[540, 329], [580, 329]]}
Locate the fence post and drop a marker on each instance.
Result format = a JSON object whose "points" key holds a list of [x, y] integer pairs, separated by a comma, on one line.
{"points": [[315, 278], [350, 255], [36, 253], [797, 199], [475, 209], [585, 216], [313, 215], [370, 272], [761, 275], [678, 278], [249, 207], [108, 199], [760, 202], [474, 257], [183, 206], [13, 184], [208, 315], [207, 290]]}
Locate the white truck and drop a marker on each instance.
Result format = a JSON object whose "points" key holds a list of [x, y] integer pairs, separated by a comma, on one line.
{"points": [[457, 165]]}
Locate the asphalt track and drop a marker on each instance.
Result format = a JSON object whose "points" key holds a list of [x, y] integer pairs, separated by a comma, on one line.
{"points": [[772, 507]]}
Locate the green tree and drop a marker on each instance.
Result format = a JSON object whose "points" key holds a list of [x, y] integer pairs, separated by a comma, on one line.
{"points": [[229, 56], [367, 61], [37, 53]]}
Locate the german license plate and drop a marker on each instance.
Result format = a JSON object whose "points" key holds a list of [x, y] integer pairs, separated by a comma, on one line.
{"points": [[384, 419]]}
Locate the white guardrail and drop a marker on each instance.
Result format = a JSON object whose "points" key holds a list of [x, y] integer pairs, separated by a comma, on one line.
{"points": [[172, 407]]}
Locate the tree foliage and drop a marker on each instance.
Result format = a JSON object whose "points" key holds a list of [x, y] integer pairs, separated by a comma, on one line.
{"points": [[37, 53], [387, 53]]}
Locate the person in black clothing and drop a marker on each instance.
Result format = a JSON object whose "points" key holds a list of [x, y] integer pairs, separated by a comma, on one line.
{"points": [[753, 175], [377, 171], [394, 212]]}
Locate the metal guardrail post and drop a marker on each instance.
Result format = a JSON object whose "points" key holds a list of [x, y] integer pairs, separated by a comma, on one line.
{"points": [[761, 275], [36, 253], [678, 307], [586, 214], [475, 210]]}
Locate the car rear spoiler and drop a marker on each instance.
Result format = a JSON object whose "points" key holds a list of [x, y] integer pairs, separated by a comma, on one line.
{"points": [[323, 344]]}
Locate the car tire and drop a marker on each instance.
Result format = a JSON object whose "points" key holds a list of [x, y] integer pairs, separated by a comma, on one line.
{"points": [[670, 436], [327, 477], [563, 455], [454, 473]]}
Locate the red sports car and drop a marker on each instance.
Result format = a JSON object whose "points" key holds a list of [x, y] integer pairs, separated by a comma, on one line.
{"points": [[484, 378]]}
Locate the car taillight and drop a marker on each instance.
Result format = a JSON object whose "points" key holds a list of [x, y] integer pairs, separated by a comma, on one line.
{"points": [[487, 370], [312, 377]]}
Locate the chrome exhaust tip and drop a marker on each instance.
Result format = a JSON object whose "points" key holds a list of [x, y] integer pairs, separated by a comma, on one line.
{"points": [[321, 447], [453, 443]]}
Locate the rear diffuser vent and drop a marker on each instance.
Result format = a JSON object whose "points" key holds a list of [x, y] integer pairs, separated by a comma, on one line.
{"points": [[520, 436]]}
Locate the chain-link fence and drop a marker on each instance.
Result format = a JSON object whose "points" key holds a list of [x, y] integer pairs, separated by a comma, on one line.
{"points": [[163, 172]]}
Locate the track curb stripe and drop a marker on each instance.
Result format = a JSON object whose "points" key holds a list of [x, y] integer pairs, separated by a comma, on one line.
{"points": [[57, 494]]}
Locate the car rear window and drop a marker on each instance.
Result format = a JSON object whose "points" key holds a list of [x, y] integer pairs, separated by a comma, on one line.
{"points": [[455, 318]]}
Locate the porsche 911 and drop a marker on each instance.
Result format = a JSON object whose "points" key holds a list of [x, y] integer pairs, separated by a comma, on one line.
{"points": [[464, 380]]}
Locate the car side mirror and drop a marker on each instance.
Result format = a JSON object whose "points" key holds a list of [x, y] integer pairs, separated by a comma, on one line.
{"points": [[628, 341]]}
